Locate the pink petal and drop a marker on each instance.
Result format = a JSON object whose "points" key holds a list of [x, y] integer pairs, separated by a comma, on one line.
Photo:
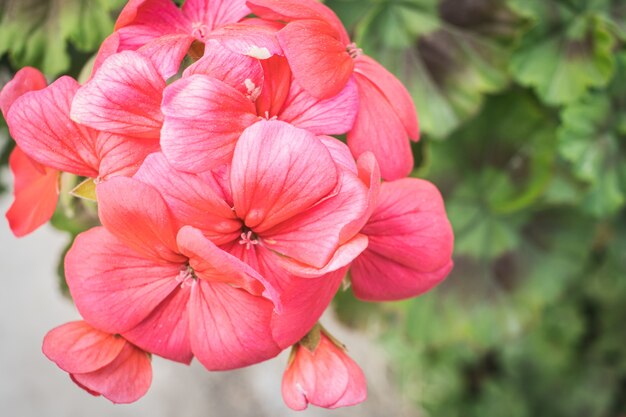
{"points": [[340, 153], [369, 174], [194, 199], [137, 215], [313, 236], [124, 380], [165, 332], [25, 80], [241, 72], [394, 91], [114, 287], [36, 194], [122, 155], [215, 265], [40, 123], [343, 256], [302, 300], [204, 117], [326, 377], [230, 328], [277, 172], [332, 116], [77, 347], [290, 10], [276, 85], [167, 52], [318, 58], [410, 243], [379, 130], [256, 41], [124, 97], [141, 21], [109, 46], [215, 13]]}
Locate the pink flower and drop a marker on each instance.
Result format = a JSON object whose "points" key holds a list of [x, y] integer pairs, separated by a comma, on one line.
{"points": [[167, 290], [321, 373], [99, 362], [323, 59], [35, 186], [225, 92], [410, 243], [285, 206]]}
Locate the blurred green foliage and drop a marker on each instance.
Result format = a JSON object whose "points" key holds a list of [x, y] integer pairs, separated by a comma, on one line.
{"points": [[522, 106]]}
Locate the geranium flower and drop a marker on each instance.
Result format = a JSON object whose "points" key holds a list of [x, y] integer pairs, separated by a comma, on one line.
{"points": [[321, 373], [36, 189], [101, 363], [323, 59]]}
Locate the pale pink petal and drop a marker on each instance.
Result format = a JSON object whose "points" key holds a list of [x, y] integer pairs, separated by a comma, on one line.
{"points": [[114, 287], [165, 332], [122, 155], [77, 347], [167, 52], [230, 328], [394, 91], [241, 72], [35, 193], [256, 41], [410, 243], [326, 377], [40, 124], [141, 21], [290, 10], [318, 59], [343, 256], [313, 236], [136, 214], [25, 80], [276, 85], [124, 380], [277, 172], [204, 117], [212, 264], [332, 116], [124, 97], [194, 199], [214, 13], [369, 174], [109, 46], [379, 130]]}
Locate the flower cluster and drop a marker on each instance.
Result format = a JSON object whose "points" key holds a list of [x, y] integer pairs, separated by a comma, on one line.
{"points": [[229, 214]]}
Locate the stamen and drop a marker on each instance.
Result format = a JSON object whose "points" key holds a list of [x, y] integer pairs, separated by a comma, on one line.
{"points": [[186, 277], [199, 31], [353, 50], [246, 239]]}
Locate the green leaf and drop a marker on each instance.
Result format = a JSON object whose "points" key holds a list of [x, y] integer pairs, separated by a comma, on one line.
{"points": [[562, 63], [35, 32]]}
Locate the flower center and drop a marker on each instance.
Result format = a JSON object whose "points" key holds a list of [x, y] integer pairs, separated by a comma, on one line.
{"points": [[353, 50], [186, 277], [199, 31], [248, 238]]}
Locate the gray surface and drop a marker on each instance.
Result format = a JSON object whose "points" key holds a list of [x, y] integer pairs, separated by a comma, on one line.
{"points": [[30, 385]]}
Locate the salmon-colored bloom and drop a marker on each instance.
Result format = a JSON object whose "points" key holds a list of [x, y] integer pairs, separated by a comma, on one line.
{"points": [[99, 362], [321, 373]]}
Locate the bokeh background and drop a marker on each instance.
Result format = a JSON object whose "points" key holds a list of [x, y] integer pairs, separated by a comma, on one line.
{"points": [[522, 106]]}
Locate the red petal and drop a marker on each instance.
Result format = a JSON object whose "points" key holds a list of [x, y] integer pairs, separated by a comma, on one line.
{"points": [[77, 347], [25, 80], [215, 13], [124, 380], [318, 58], [144, 20], [122, 155], [36, 194], [379, 130]]}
